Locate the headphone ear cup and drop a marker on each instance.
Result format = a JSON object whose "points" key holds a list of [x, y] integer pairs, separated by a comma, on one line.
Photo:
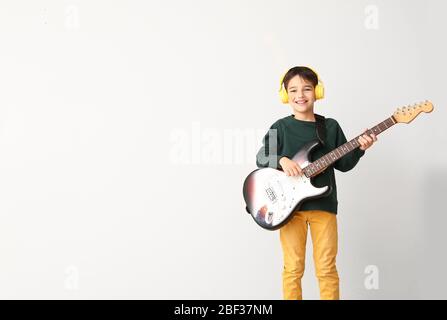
{"points": [[283, 95], [319, 92]]}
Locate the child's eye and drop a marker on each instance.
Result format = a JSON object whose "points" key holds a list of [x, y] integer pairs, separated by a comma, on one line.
{"points": [[292, 90]]}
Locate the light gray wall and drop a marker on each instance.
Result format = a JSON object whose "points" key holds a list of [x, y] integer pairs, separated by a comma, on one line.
{"points": [[128, 127]]}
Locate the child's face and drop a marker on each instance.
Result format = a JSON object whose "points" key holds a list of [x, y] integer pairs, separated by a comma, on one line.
{"points": [[301, 95]]}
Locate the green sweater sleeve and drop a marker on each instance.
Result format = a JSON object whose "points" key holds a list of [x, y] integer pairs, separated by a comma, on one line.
{"points": [[269, 154], [350, 160]]}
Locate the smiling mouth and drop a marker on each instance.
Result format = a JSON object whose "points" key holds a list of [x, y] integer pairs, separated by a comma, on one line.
{"points": [[301, 101]]}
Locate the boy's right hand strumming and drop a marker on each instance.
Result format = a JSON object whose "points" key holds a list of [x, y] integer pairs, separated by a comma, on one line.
{"points": [[290, 168]]}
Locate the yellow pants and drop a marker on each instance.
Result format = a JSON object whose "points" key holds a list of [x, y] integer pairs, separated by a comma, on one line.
{"points": [[293, 235]]}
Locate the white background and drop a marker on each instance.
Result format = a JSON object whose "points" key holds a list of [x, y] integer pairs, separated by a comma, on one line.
{"points": [[128, 127]]}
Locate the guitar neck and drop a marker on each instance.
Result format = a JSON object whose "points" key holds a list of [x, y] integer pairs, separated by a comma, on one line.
{"points": [[325, 161]]}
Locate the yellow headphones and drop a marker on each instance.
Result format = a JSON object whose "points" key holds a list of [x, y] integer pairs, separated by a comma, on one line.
{"points": [[319, 89]]}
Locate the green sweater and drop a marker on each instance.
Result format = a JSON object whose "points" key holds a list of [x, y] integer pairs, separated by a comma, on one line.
{"points": [[292, 134]]}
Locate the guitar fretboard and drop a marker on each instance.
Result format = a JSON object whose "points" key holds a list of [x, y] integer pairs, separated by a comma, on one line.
{"points": [[325, 161]]}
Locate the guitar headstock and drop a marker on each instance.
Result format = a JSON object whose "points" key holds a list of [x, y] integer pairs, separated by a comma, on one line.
{"points": [[408, 113]]}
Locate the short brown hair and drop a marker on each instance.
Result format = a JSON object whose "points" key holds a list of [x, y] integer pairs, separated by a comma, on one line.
{"points": [[304, 72]]}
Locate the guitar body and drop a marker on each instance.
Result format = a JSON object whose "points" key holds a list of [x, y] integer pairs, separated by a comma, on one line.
{"points": [[271, 196]]}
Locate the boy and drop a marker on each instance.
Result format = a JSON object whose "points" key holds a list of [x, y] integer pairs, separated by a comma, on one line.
{"points": [[300, 88]]}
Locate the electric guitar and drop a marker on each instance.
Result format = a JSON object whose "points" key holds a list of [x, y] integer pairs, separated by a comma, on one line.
{"points": [[271, 196]]}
